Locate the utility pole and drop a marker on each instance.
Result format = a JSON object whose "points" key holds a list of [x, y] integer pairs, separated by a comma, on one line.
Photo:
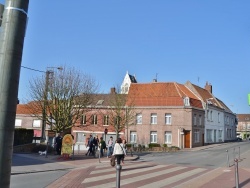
{"points": [[12, 35]]}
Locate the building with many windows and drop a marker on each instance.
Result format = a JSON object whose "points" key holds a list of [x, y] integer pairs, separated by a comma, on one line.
{"points": [[243, 128], [182, 115], [166, 113]]}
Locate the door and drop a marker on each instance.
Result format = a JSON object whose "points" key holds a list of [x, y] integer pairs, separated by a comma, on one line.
{"points": [[187, 139]]}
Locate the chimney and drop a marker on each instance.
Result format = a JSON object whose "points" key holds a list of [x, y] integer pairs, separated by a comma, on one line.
{"points": [[208, 87], [112, 90], [154, 80]]}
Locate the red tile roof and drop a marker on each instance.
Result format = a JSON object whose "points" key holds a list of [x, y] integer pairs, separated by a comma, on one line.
{"points": [[161, 94]]}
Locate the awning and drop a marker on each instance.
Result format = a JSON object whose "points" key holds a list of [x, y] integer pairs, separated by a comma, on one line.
{"points": [[37, 133]]}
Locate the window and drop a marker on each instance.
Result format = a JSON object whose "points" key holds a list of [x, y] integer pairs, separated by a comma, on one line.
{"points": [[83, 120], [133, 137], [195, 119], [94, 119], [168, 137], [248, 126], [80, 137], [138, 118], [200, 120], [196, 136], [36, 123], [209, 135], [218, 117], [153, 137], [186, 101], [106, 120], [18, 123], [153, 119], [211, 115], [220, 134], [168, 119]]}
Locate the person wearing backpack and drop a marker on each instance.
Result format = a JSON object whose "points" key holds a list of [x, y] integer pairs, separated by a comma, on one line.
{"points": [[102, 146]]}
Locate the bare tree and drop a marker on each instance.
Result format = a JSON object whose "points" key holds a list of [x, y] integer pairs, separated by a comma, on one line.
{"points": [[62, 97], [121, 112]]}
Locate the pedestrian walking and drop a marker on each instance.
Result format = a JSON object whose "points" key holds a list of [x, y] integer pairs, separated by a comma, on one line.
{"points": [[102, 146], [58, 144], [124, 142], [110, 147], [119, 151], [90, 145]]}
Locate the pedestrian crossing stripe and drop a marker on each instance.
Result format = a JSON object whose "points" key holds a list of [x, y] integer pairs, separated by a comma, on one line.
{"points": [[104, 169], [184, 173], [174, 179], [104, 177]]}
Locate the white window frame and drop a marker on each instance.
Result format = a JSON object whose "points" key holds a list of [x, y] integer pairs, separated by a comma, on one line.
{"points": [[153, 137], [133, 136], [220, 134], [153, 119], [105, 120], [200, 120], [168, 119], [138, 118], [195, 119], [168, 137], [18, 122], [83, 119], [196, 136], [80, 137], [36, 123], [94, 119], [211, 115]]}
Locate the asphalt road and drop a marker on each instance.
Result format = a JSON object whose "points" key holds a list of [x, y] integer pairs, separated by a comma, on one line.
{"points": [[213, 157], [209, 157]]}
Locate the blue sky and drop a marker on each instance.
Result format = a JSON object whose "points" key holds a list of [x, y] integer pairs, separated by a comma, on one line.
{"points": [[181, 40]]}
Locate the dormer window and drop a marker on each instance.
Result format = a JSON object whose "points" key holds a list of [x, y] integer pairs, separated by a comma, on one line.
{"points": [[186, 101]]}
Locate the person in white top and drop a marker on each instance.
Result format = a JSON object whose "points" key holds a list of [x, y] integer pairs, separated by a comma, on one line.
{"points": [[119, 151]]}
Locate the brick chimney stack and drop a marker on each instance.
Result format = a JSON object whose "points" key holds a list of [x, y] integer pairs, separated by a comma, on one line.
{"points": [[208, 87], [112, 90]]}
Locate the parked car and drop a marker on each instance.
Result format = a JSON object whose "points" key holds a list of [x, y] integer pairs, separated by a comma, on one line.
{"points": [[238, 139]]}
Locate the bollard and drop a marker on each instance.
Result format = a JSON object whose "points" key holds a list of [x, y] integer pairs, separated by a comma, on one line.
{"points": [[118, 175], [234, 154], [236, 173], [227, 159], [78, 148], [239, 153], [131, 150], [73, 155], [99, 155], [46, 150]]}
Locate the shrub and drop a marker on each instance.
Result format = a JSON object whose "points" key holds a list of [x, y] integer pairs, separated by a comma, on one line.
{"points": [[154, 145], [42, 147], [128, 145], [165, 145], [23, 136], [175, 147]]}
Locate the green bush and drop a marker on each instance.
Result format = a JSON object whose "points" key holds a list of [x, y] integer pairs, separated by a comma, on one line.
{"points": [[23, 136], [165, 145], [128, 145], [42, 147], [175, 147], [154, 145]]}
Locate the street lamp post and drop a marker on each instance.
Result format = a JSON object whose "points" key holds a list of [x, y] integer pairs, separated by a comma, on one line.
{"points": [[45, 99]]}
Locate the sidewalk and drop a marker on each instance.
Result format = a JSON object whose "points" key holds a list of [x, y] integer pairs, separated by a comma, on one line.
{"points": [[32, 162], [223, 177]]}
